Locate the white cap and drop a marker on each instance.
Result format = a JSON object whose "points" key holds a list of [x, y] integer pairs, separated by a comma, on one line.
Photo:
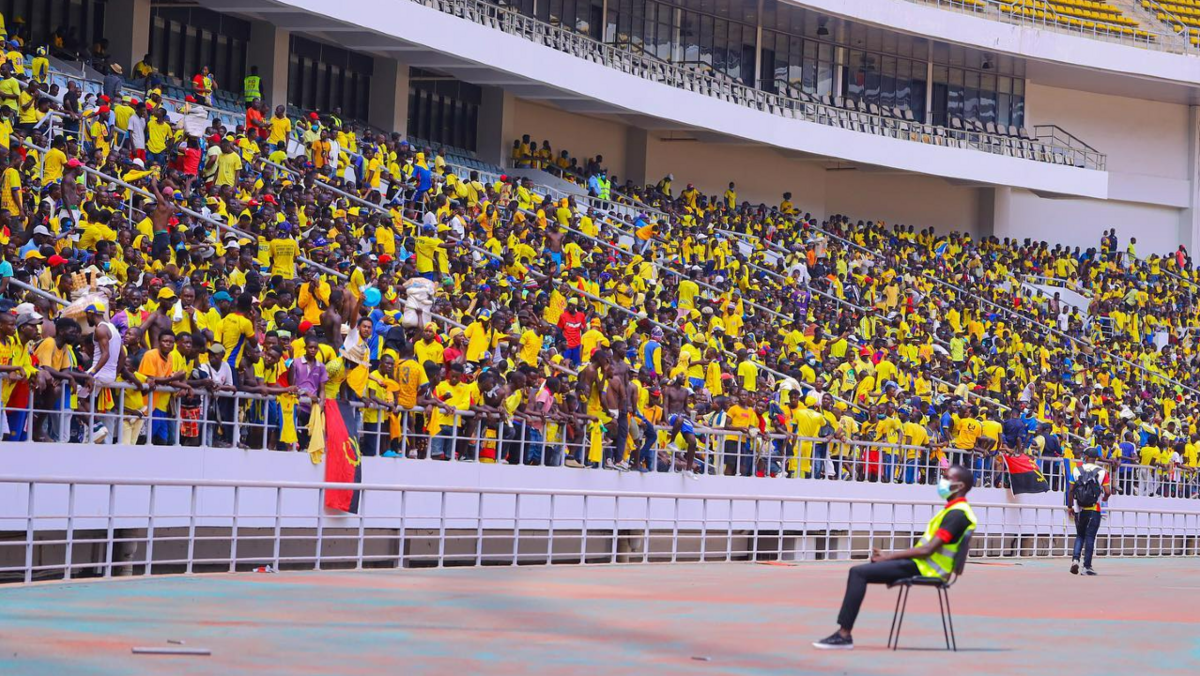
{"points": [[41, 230], [139, 162], [24, 308]]}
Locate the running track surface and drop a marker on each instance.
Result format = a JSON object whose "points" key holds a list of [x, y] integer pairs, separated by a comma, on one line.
{"points": [[1031, 617]]}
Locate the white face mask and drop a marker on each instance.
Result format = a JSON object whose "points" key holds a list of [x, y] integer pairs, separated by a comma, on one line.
{"points": [[944, 488]]}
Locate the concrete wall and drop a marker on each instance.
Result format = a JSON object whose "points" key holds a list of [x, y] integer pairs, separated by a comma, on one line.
{"points": [[1022, 214], [1139, 136], [920, 201]]}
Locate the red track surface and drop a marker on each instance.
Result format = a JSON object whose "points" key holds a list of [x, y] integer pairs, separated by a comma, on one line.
{"points": [[1032, 617]]}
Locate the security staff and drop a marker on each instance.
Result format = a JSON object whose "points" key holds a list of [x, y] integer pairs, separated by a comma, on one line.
{"points": [[932, 557], [252, 85]]}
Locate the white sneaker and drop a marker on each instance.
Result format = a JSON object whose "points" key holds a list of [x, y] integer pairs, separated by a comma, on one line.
{"points": [[689, 474]]}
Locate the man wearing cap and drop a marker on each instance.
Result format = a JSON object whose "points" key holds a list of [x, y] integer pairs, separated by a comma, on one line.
{"points": [[217, 376], [481, 336], [159, 320]]}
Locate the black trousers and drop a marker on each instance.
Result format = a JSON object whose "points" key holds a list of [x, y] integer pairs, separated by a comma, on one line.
{"points": [[1087, 523], [870, 573]]}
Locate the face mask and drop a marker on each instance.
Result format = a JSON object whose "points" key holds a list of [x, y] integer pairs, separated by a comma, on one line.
{"points": [[943, 488]]}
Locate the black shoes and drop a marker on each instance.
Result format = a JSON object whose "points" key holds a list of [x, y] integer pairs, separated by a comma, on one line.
{"points": [[1075, 567], [835, 642]]}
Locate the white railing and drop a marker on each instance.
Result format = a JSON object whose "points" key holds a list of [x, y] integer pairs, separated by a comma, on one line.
{"points": [[728, 89], [254, 422], [64, 528]]}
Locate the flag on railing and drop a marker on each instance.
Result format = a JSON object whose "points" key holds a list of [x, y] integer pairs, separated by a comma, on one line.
{"points": [[1024, 475], [1069, 478], [343, 460]]}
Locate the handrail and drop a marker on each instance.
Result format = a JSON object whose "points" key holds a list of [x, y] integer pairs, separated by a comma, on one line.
{"points": [[504, 490], [36, 291], [1178, 25]]}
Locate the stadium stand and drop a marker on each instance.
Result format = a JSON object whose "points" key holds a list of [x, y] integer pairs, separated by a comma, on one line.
{"points": [[203, 274]]}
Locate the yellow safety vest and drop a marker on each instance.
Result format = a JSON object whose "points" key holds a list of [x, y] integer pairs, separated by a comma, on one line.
{"points": [[252, 86], [941, 563]]}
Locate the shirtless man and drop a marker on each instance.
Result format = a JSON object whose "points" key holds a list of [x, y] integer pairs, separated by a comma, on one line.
{"points": [[554, 245], [164, 208], [158, 321], [590, 386], [616, 400], [675, 396]]}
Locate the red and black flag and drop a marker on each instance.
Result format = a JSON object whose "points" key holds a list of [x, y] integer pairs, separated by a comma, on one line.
{"points": [[343, 460], [1024, 475]]}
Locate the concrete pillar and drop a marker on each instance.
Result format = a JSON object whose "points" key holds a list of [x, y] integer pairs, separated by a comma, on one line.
{"points": [[389, 96], [495, 130], [637, 155], [985, 212], [127, 27], [268, 50], [1189, 219]]}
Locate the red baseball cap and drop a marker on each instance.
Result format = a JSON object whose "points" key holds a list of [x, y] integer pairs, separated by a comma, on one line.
{"points": [[313, 115]]}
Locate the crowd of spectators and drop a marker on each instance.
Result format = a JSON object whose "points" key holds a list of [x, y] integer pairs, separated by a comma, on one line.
{"points": [[215, 283]]}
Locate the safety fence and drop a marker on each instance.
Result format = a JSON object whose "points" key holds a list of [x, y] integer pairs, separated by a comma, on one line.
{"points": [[64, 528], [120, 413]]}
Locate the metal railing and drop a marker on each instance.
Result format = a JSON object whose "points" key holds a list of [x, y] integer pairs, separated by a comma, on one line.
{"points": [[727, 89], [63, 528], [1039, 14], [105, 414]]}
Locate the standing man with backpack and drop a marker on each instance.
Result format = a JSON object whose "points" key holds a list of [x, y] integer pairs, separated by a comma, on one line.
{"points": [[1091, 484]]}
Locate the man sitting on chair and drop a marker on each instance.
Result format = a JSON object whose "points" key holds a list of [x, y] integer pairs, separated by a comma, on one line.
{"points": [[932, 557]]}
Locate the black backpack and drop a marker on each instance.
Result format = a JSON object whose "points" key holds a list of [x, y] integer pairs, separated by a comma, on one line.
{"points": [[1087, 491]]}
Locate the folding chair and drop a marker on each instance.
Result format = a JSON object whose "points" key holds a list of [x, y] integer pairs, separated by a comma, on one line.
{"points": [[943, 590]]}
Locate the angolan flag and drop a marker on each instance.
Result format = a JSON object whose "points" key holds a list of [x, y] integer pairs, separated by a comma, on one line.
{"points": [[1024, 475], [343, 460]]}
